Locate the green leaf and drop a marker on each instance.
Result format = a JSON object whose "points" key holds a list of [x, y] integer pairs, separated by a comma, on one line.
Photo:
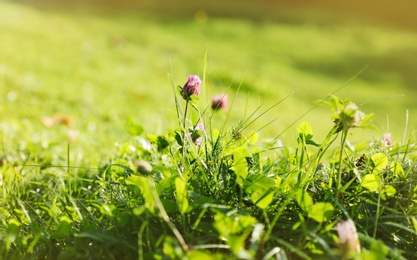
{"points": [[362, 146], [305, 131], [380, 161], [64, 227], [260, 187], [106, 238], [229, 150], [172, 249], [304, 200], [258, 182], [127, 171], [278, 181], [262, 199], [105, 209], [144, 184], [12, 231], [133, 128], [252, 138], [234, 223], [169, 205], [165, 185], [216, 134], [378, 249], [240, 165], [13, 227], [48, 211], [390, 191], [322, 102], [179, 137], [256, 150], [181, 191], [397, 169], [414, 221], [366, 121], [200, 255], [22, 215], [311, 142], [124, 149], [162, 143], [321, 211], [371, 182], [237, 245]]}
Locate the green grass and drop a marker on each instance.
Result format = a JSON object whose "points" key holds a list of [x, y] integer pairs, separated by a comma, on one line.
{"points": [[110, 74], [101, 69]]}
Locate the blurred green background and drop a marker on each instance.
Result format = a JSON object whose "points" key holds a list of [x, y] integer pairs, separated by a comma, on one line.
{"points": [[90, 65]]}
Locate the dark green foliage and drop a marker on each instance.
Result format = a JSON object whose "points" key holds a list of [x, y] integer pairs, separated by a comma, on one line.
{"points": [[229, 197]]}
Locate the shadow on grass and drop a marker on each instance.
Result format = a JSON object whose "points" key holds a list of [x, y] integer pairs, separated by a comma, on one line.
{"points": [[398, 65], [398, 14]]}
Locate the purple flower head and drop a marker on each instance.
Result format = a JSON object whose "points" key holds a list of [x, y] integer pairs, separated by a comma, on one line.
{"points": [[191, 87], [219, 102]]}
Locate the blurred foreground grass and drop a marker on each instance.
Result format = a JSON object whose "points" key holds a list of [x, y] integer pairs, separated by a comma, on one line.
{"points": [[97, 70]]}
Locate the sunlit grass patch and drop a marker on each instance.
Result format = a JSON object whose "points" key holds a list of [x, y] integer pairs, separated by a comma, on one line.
{"points": [[107, 152], [196, 191], [96, 66]]}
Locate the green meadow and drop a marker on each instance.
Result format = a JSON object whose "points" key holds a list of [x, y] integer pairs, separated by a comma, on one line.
{"points": [[84, 90], [99, 69]]}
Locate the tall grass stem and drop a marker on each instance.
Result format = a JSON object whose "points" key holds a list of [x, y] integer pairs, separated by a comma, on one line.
{"points": [[339, 174]]}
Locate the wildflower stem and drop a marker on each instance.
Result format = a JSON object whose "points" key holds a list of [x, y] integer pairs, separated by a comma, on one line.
{"points": [[185, 115], [184, 127], [339, 175]]}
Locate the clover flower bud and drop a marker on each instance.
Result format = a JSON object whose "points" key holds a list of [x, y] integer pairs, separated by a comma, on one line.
{"points": [[387, 139], [348, 238], [219, 102], [196, 134], [191, 87], [351, 116]]}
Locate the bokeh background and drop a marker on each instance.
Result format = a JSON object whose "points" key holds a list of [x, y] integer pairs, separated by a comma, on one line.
{"points": [[88, 66]]}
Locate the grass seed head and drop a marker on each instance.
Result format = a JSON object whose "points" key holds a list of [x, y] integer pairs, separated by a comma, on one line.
{"points": [[143, 167]]}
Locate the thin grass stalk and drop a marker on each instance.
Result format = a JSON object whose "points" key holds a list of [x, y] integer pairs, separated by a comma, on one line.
{"points": [[177, 103], [231, 105], [68, 168], [205, 75], [211, 246], [204, 176], [200, 216], [314, 107], [166, 218], [265, 214], [339, 174], [269, 145], [277, 216], [377, 215], [264, 112], [404, 135], [326, 144], [140, 240]]}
